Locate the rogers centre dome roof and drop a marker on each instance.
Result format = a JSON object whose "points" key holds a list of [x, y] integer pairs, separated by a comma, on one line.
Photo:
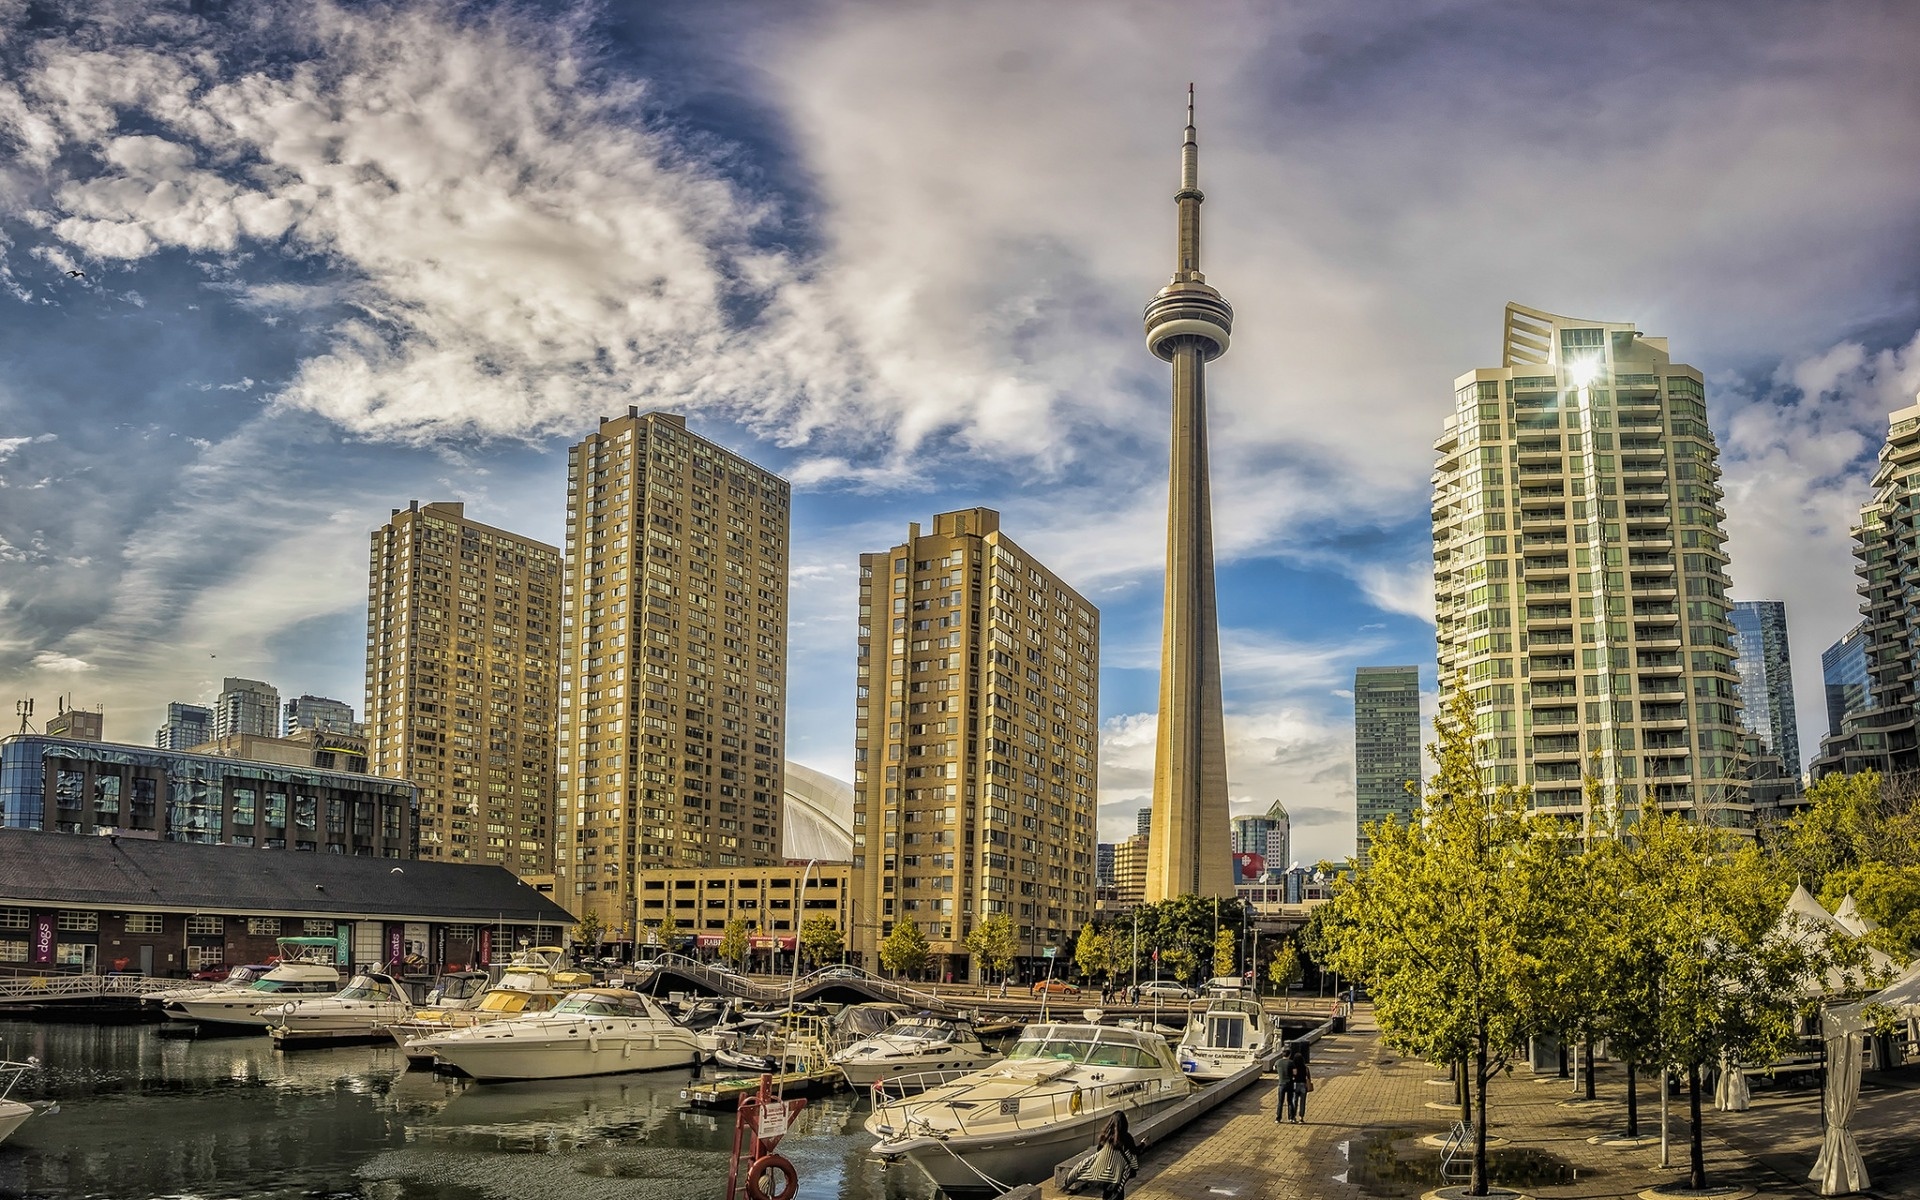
{"points": [[817, 821]]}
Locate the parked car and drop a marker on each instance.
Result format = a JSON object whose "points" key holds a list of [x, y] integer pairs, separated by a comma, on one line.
{"points": [[211, 974], [1055, 987], [1165, 989]]}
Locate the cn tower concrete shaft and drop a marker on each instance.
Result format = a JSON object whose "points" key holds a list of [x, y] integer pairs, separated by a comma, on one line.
{"points": [[1188, 324]]}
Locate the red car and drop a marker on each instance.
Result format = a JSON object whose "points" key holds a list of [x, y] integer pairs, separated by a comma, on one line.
{"points": [[211, 974], [1056, 987]]}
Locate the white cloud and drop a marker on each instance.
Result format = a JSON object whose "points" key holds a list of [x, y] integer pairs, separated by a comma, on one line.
{"points": [[56, 663]]}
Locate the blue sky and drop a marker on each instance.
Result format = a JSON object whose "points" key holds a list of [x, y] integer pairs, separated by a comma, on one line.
{"points": [[336, 257]]}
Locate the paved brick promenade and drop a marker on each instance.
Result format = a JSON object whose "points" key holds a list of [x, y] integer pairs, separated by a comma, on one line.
{"points": [[1368, 1110]]}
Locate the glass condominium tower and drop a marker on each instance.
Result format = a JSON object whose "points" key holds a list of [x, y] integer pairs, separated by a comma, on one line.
{"points": [[1766, 678], [1579, 574], [1386, 746], [673, 662]]}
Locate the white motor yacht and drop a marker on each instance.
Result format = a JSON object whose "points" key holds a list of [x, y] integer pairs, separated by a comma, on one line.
{"points": [[238, 980], [306, 968], [1008, 1124], [1224, 1034], [534, 981], [593, 1031], [13, 1113], [914, 1046], [363, 1009]]}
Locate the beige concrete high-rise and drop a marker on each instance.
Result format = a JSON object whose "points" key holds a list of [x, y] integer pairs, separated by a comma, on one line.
{"points": [[1187, 324], [462, 645], [673, 676], [975, 753], [1579, 572]]}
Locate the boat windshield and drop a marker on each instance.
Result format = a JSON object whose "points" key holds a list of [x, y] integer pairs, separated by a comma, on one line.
{"points": [[922, 1030], [599, 1004], [1081, 1047], [365, 987], [504, 1001], [247, 974]]}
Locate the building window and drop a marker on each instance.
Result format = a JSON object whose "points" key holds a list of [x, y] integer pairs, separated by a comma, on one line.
{"points": [[317, 927], [276, 810], [79, 922], [13, 951], [144, 923], [13, 918], [243, 807], [263, 926], [199, 926], [199, 958]]}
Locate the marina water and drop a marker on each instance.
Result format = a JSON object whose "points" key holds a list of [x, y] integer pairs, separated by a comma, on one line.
{"points": [[144, 1116]]}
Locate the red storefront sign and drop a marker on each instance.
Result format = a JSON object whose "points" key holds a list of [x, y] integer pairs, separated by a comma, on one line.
{"points": [[707, 941], [762, 941]]}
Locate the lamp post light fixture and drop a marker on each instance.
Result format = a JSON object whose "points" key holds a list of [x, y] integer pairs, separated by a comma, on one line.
{"points": [[799, 914]]}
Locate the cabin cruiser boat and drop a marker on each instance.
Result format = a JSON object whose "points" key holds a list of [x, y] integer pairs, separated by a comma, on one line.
{"points": [[238, 980], [365, 1007], [533, 981], [13, 1113], [593, 1031], [914, 1046], [306, 968], [1009, 1123], [1224, 1034]]}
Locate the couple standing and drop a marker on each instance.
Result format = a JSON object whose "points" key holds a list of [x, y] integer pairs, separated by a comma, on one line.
{"points": [[1295, 1082]]}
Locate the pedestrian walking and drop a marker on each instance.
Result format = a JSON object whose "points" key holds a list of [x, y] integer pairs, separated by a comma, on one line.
{"points": [[1296, 1080], [1115, 1159]]}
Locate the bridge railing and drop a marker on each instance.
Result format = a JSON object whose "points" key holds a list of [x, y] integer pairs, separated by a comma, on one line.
{"points": [[18, 989]]}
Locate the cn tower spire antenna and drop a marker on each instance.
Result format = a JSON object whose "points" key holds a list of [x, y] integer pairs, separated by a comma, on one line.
{"points": [[1187, 324]]}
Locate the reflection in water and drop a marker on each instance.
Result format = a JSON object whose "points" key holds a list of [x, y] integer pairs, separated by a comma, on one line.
{"points": [[233, 1117]]}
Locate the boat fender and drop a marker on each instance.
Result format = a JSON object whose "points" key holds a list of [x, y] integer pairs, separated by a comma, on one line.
{"points": [[1074, 1102], [775, 1170]]}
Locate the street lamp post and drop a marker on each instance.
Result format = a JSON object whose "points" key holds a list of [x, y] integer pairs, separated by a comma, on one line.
{"points": [[799, 912]]}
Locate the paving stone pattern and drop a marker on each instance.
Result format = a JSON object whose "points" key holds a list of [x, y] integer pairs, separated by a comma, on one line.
{"points": [[1368, 1111]]}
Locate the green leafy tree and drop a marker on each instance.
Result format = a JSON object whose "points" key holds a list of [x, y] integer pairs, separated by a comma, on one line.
{"points": [[1180, 962], [1225, 945], [1449, 917], [905, 950], [1888, 896], [1284, 967], [994, 945], [588, 932], [820, 939], [1093, 952], [734, 942]]}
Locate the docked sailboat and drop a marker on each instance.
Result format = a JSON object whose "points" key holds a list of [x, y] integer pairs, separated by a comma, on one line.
{"points": [[914, 1046], [1009, 1123], [306, 968], [593, 1031], [1224, 1035]]}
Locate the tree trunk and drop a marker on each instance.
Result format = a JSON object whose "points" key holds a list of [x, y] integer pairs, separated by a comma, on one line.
{"points": [[1479, 1187], [1588, 1053], [1633, 1101], [1463, 1092], [1697, 1157], [1563, 1060]]}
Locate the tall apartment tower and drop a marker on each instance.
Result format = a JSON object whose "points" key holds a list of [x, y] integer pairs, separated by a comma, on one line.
{"points": [[187, 725], [1267, 834], [246, 706], [1578, 571], [1843, 671], [1187, 324], [1881, 732], [462, 639], [319, 713], [673, 678], [1766, 678], [1386, 746], [975, 741]]}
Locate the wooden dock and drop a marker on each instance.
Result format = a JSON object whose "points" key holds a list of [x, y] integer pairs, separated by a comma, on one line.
{"points": [[727, 1093]]}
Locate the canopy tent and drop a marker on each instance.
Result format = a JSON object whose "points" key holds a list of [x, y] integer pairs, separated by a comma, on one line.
{"points": [[1840, 1169], [1806, 921], [1851, 919]]}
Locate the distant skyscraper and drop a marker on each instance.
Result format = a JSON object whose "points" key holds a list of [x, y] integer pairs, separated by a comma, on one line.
{"points": [[462, 674], [1881, 733], [673, 683], [1579, 575], [1143, 822], [1265, 835], [1103, 864], [1843, 667], [187, 725], [1386, 745], [246, 706], [318, 712], [975, 726], [1766, 678], [1187, 324]]}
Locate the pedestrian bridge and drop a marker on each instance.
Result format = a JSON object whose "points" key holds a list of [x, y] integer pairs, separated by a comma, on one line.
{"points": [[677, 972]]}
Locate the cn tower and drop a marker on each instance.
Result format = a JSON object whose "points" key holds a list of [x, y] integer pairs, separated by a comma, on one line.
{"points": [[1189, 848]]}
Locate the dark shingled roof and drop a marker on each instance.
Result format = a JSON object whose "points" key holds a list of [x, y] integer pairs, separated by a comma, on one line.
{"points": [[97, 872]]}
